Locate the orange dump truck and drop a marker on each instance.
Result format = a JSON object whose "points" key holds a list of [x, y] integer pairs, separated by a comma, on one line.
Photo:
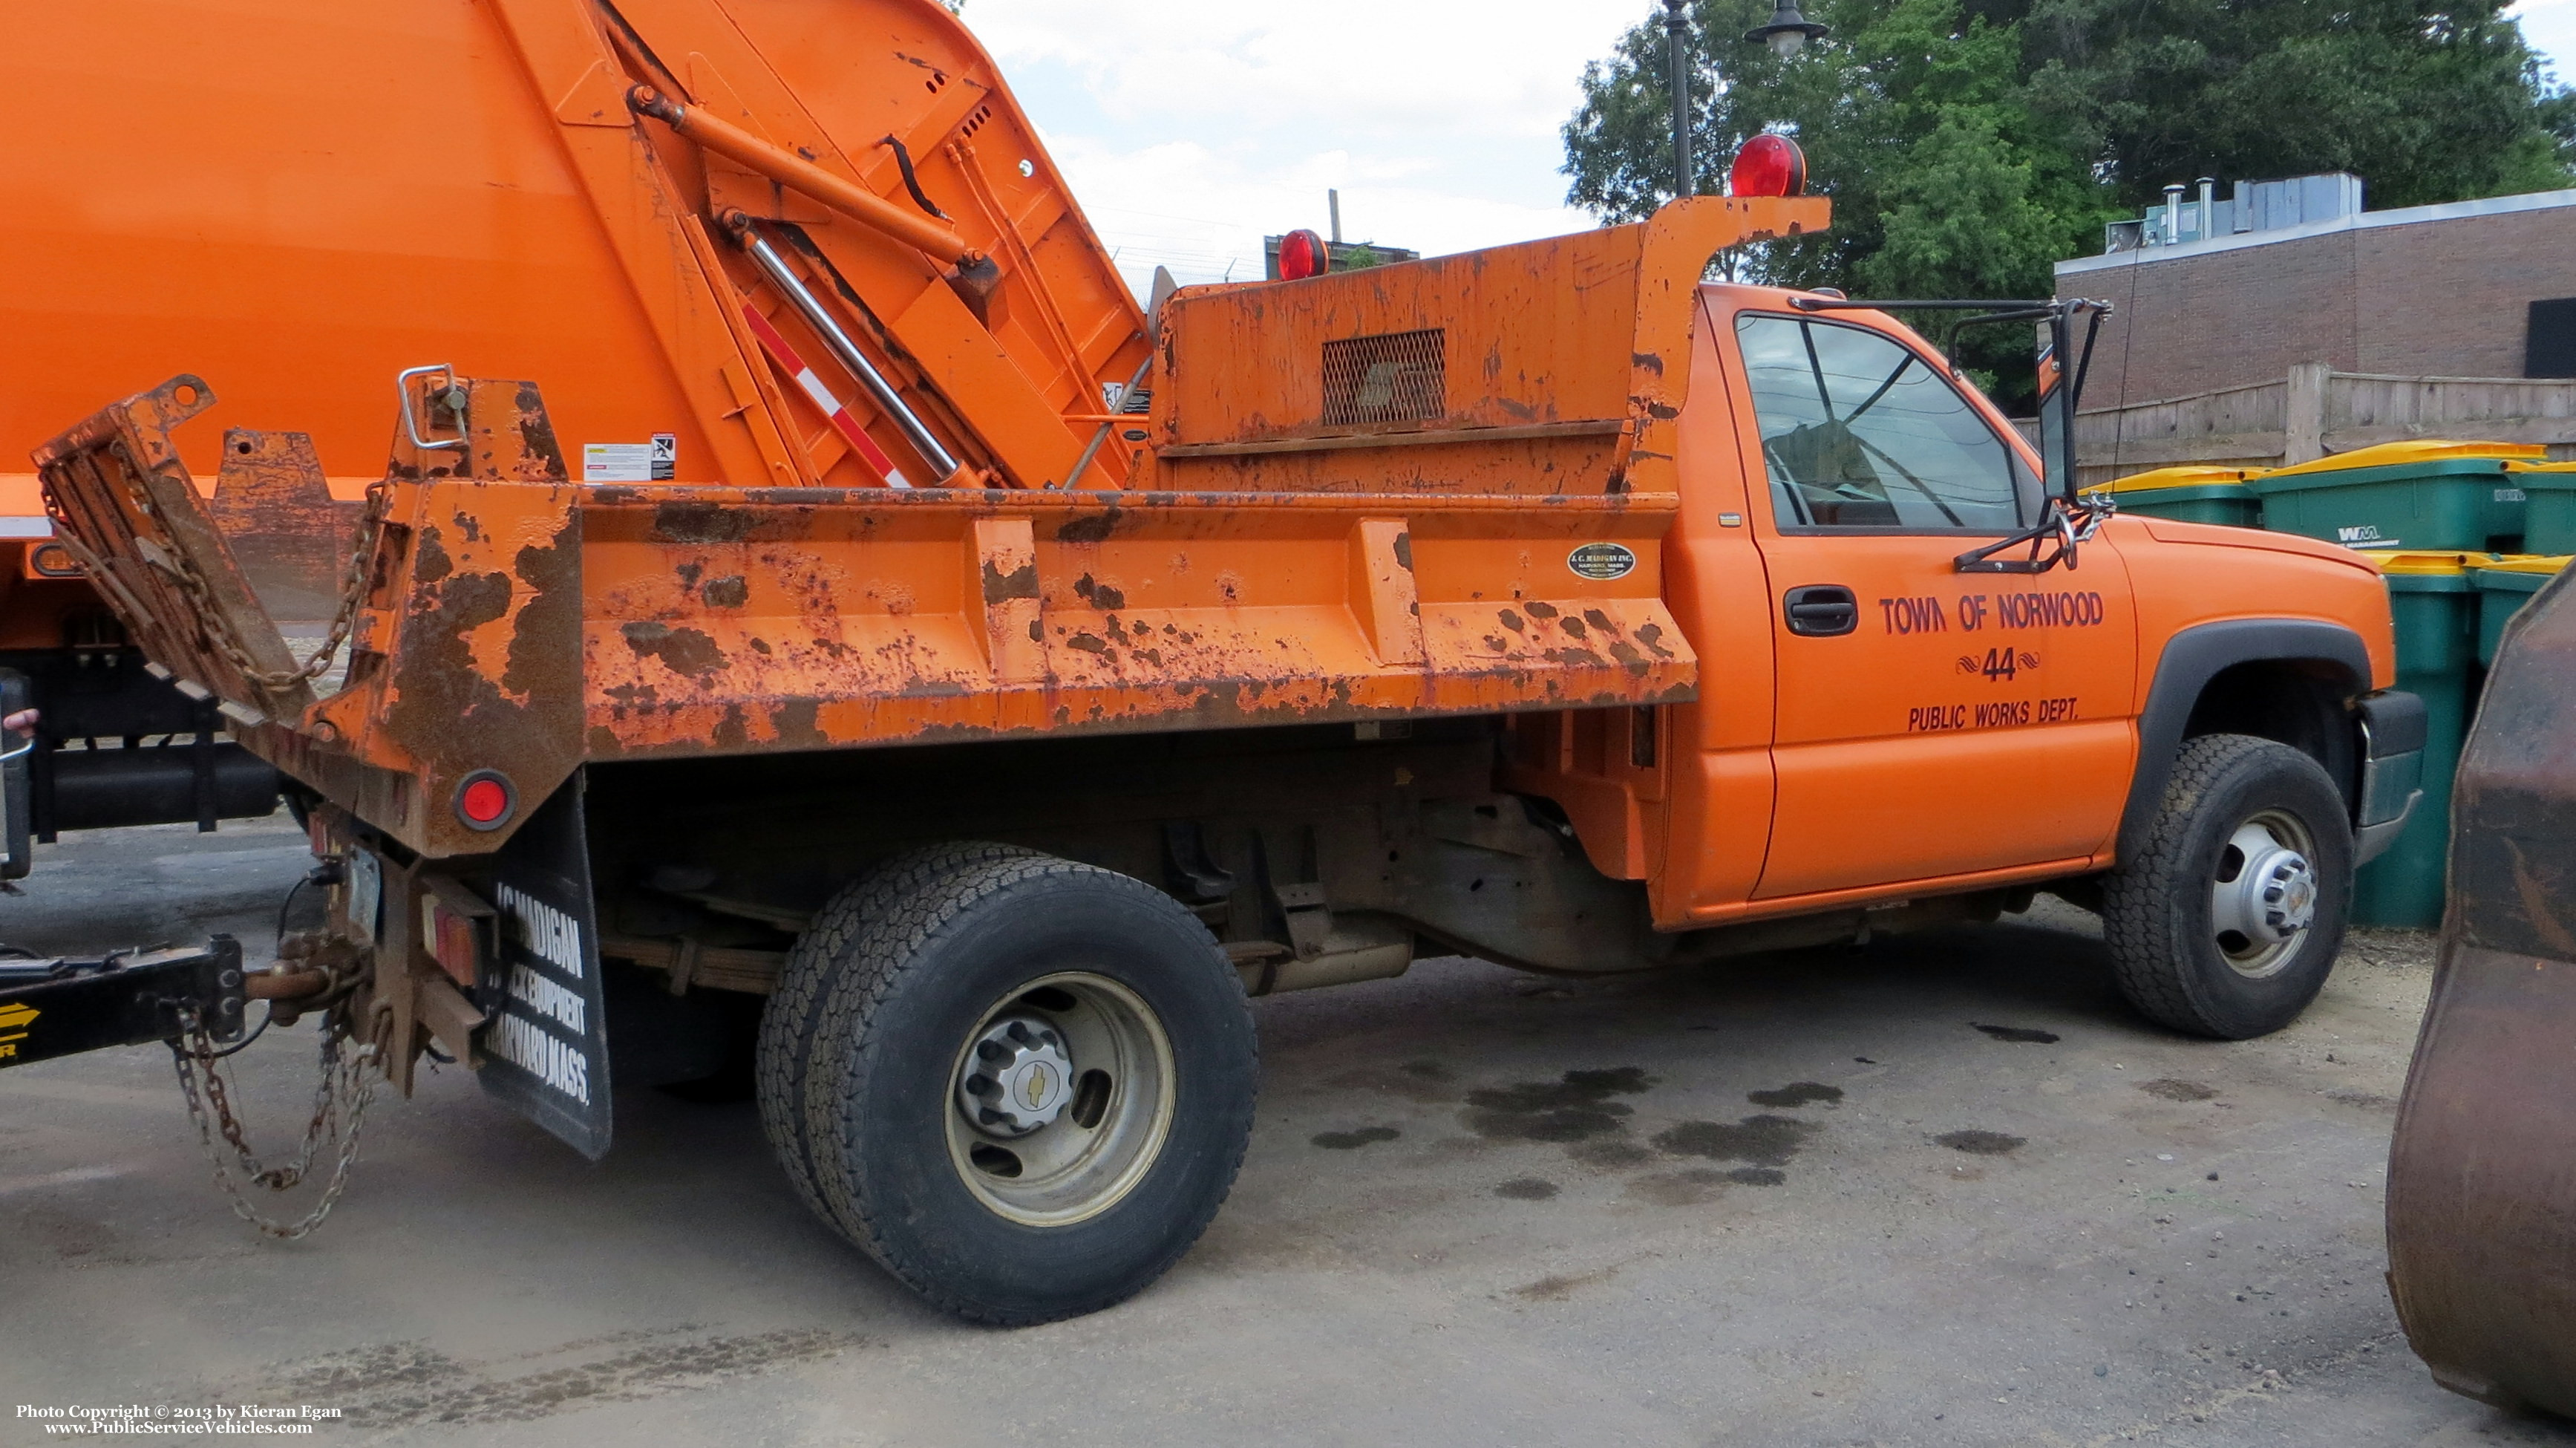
{"points": [[857, 638]]}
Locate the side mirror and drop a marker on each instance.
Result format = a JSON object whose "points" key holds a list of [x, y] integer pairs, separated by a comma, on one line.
{"points": [[2063, 361]]}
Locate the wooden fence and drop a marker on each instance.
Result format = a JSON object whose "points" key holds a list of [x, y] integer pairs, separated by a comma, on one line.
{"points": [[2315, 411]]}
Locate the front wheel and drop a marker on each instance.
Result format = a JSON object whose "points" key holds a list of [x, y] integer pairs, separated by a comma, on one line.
{"points": [[2227, 922], [1031, 1088]]}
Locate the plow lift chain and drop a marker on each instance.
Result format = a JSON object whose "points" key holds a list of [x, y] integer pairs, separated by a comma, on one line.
{"points": [[186, 574], [193, 1000]]}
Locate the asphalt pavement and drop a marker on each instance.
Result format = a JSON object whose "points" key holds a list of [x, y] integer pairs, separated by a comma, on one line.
{"points": [[1942, 1189]]}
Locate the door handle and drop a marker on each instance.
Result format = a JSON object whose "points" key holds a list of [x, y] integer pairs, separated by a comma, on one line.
{"points": [[1821, 610]]}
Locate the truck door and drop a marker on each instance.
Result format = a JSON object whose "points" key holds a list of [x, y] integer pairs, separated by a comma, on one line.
{"points": [[1927, 723]]}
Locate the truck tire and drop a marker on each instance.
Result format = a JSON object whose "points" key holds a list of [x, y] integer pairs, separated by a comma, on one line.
{"points": [[1031, 1089], [2229, 919], [787, 1020]]}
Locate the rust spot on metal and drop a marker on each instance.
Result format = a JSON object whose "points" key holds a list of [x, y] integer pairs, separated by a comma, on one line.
{"points": [[1513, 621], [727, 592], [1000, 587], [682, 650], [700, 523], [430, 562], [1539, 608], [1100, 595], [544, 662], [1090, 643], [1601, 621], [1088, 528], [1570, 624], [1647, 362], [794, 723], [1404, 550]]}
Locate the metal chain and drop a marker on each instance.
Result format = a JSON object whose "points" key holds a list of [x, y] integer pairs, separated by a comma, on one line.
{"points": [[353, 592], [339, 1106], [182, 570]]}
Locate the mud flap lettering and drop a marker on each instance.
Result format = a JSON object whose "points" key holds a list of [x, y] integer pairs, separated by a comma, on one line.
{"points": [[546, 1052]]}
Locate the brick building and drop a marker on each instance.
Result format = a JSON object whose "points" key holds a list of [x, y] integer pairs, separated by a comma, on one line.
{"points": [[2472, 289]]}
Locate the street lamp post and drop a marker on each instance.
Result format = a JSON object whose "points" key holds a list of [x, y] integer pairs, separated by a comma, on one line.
{"points": [[1677, 34], [1789, 31]]}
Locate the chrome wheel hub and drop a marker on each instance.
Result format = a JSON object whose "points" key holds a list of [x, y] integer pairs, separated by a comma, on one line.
{"points": [[1017, 1078], [2264, 896], [1063, 1094]]}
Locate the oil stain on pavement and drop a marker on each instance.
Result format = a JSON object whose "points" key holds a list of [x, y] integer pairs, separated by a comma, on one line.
{"points": [[1353, 1140], [1982, 1143], [1575, 1108]]}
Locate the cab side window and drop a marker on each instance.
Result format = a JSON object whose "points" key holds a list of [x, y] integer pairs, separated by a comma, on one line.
{"points": [[1860, 432]]}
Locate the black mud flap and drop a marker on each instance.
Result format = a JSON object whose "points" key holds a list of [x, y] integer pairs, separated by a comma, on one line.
{"points": [[546, 1052]]}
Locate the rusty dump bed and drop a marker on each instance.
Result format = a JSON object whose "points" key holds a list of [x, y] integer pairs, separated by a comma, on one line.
{"points": [[835, 426], [1469, 523]]}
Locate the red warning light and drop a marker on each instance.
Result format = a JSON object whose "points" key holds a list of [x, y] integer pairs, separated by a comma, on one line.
{"points": [[1768, 165], [1302, 254], [485, 800]]}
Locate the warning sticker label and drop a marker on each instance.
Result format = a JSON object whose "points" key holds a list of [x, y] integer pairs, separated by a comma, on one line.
{"points": [[631, 462]]}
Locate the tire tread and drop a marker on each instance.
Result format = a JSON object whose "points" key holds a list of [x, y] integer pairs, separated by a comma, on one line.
{"points": [[2140, 919], [881, 958]]}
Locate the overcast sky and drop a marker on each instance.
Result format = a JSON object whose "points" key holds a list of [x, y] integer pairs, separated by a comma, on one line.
{"points": [[1192, 128]]}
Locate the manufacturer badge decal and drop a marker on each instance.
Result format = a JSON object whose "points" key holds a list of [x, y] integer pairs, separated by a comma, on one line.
{"points": [[1602, 561]]}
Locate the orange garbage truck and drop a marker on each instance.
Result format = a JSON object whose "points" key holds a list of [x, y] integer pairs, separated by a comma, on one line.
{"points": [[814, 615]]}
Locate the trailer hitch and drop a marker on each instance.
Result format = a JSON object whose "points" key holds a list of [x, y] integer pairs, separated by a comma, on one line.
{"points": [[62, 1006]]}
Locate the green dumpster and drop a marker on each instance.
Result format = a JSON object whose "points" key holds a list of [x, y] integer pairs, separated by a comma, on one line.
{"points": [[2190, 495], [2549, 518], [2409, 495], [2435, 610], [2504, 585]]}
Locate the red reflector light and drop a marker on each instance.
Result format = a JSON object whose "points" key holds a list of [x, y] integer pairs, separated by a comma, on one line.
{"points": [[450, 938], [1302, 254], [484, 801], [1768, 165]]}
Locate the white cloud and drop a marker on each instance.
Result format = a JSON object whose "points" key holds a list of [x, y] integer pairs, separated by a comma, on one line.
{"points": [[2550, 28], [1190, 131]]}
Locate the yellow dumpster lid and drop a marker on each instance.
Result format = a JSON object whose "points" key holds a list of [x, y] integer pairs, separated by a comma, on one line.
{"points": [[2523, 563], [2425, 561], [2390, 454], [2541, 467], [2177, 477]]}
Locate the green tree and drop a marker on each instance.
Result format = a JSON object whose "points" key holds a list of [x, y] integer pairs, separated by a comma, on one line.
{"points": [[2425, 102], [1914, 117], [1969, 143]]}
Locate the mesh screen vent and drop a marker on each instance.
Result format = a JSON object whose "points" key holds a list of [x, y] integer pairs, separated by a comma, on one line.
{"points": [[1392, 377]]}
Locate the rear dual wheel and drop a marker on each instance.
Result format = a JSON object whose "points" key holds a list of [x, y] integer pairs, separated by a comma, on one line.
{"points": [[1026, 1084]]}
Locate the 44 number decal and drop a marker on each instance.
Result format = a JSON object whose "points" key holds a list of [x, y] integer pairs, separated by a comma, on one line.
{"points": [[1999, 663]]}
